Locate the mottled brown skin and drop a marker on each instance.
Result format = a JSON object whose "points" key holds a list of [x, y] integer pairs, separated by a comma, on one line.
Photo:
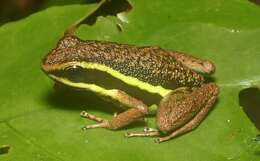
{"points": [[149, 64], [180, 111], [179, 107]]}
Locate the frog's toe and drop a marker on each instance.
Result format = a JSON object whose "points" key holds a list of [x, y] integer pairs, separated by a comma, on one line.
{"points": [[148, 129], [127, 135], [157, 140], [91, 117], [104, 124], [143, 134], [132, 134], [83, 128]]}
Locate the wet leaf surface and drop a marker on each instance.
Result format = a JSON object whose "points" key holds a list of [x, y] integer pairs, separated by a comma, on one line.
{"points": [[41, 124]]}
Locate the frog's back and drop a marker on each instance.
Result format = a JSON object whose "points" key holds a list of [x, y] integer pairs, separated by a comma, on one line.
{"points": [[148, 64]]}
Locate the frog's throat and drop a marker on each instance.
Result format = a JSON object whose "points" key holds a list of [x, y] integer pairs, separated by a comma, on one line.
{"points": [[126, 79]]}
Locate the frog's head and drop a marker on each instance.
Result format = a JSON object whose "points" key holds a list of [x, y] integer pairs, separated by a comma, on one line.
{"points": [[64, 61], [62, 55]]}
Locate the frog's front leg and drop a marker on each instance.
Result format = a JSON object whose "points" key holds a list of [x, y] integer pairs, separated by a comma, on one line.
{"points": [[137, 110]]}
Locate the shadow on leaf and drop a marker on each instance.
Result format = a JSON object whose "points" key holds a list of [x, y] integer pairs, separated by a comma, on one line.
{"points": [[249, 99]]}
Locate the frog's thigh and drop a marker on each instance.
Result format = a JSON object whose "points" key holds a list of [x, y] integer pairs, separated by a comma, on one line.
{"points": [[137, 110], [191, 124]]}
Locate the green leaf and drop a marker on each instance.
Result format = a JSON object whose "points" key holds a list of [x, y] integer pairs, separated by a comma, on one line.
{"points": [[41, 124]]}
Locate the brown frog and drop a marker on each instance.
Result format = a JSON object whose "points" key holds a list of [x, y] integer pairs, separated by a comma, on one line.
{"points": [[123, 73]]}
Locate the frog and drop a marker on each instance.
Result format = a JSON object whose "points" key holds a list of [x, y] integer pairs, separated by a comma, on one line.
{"points": [[123, 73]]}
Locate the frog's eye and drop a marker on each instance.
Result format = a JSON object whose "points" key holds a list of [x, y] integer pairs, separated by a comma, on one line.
{"points": [[74, 73], [72, 68]]}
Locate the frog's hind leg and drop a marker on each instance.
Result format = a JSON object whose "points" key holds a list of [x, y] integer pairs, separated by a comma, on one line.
{"points": [[137, 109], [204, 96], [188, 127]]}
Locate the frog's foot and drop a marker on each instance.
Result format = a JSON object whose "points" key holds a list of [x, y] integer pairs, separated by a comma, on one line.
{"points": [[137, 111], [91, 117], [117, 121], [148, 132], [102, 123]]}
